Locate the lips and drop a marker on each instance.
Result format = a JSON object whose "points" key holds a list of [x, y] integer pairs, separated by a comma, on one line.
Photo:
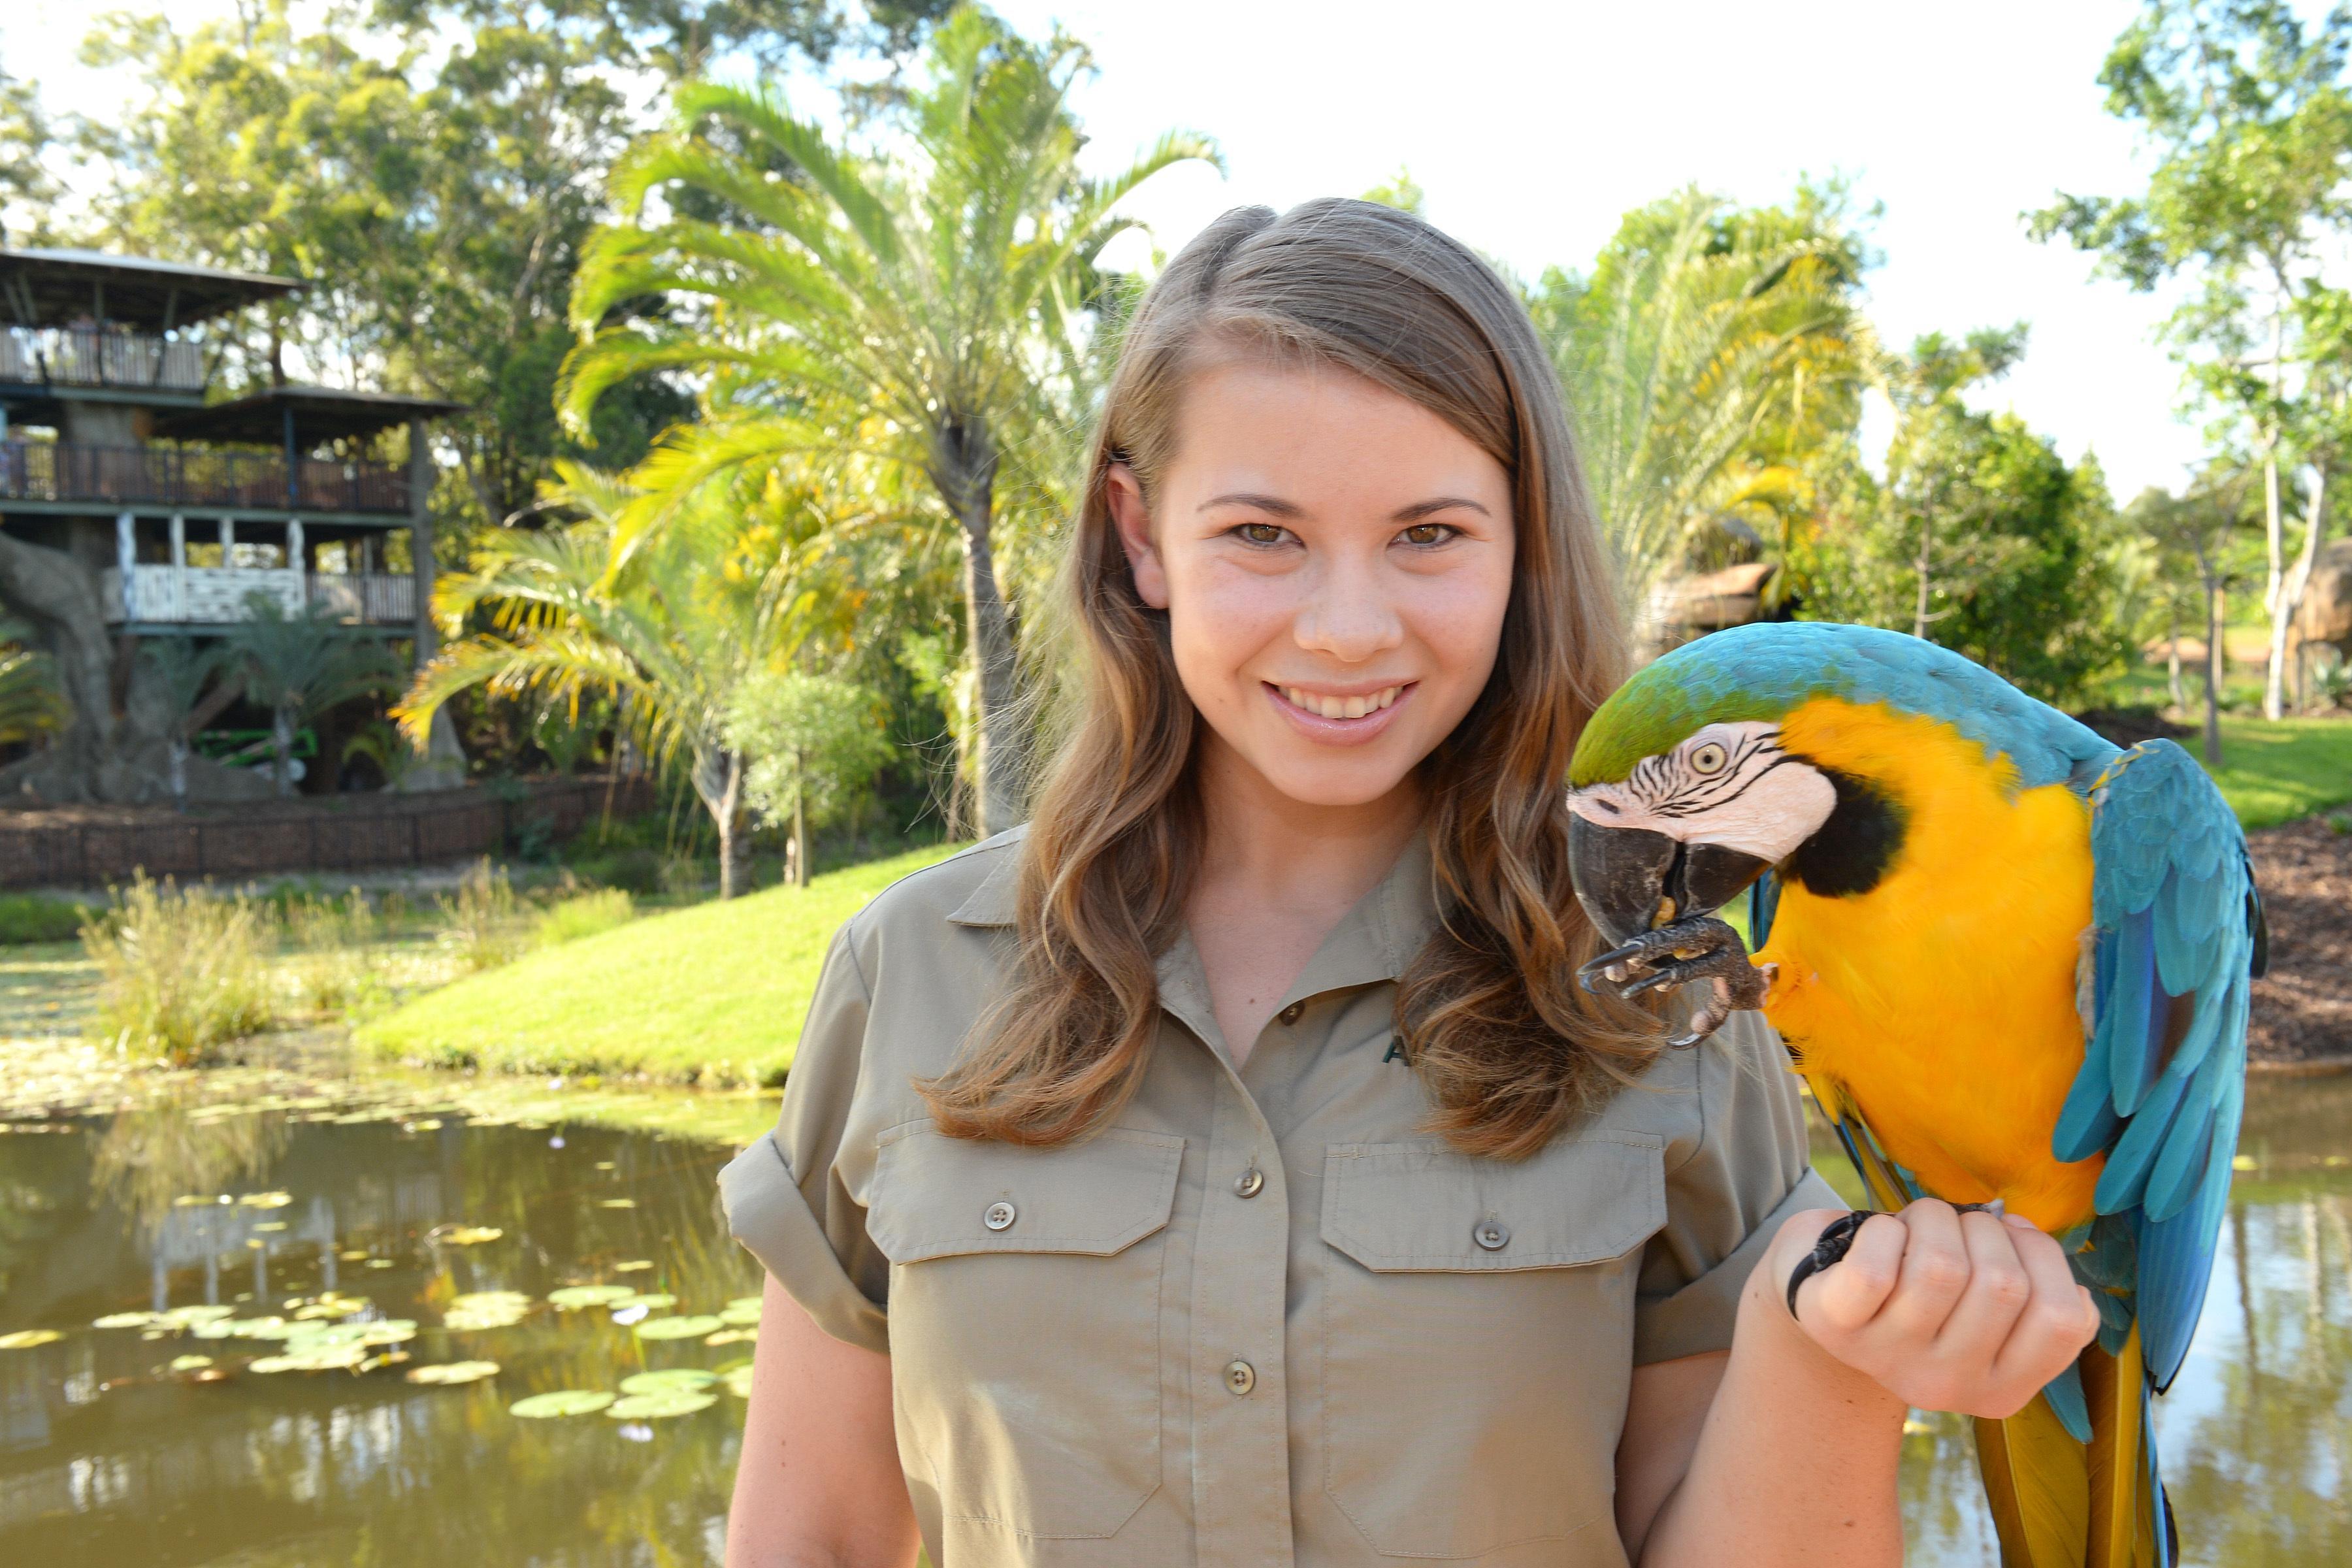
{"points": [[1340, 718]]}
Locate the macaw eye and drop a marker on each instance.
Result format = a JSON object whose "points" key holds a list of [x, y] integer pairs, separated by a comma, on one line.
{"points": [[1710, 758]]}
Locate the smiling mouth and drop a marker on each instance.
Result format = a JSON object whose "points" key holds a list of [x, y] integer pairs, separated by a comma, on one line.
{"points": [[1360, 706]]}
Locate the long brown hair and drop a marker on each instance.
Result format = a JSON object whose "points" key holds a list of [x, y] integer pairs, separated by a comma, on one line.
{"points": [[1508, 1045]]}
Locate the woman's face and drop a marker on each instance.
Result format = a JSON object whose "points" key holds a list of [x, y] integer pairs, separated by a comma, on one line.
{"points": [[1335, 562]]}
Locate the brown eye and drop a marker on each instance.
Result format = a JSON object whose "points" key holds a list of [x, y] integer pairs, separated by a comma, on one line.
{"points": [[1708, 759], [1260, 532], [1428, 533]]}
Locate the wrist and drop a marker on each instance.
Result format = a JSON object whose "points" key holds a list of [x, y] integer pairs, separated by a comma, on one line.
{"points": [[1779, 1347]]}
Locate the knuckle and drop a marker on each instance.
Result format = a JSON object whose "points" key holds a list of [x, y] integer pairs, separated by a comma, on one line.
{"points": [[2008, 1287], [1942, 1272]]}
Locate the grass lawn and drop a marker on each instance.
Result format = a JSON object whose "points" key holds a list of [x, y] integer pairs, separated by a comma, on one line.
{"points": [[2276, 772], [714, 994]]}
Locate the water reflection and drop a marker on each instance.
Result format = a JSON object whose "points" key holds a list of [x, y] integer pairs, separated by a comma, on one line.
{"points": [[109, 1456]]}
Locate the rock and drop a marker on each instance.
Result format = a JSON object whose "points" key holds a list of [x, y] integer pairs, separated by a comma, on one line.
{"points": [[2326, 615]]}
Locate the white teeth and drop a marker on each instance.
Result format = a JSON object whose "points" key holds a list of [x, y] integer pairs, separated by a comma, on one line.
{"points": [[1342, 707]]}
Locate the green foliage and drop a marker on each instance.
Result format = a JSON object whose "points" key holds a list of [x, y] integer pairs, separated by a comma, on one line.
{"points": [[1981, 538], [38, 917], [180, 973], [333, 945], [482, 925], [814, 743], [1710, 354], [299, 666], [31, 704], [583, 914], [25, 183]]}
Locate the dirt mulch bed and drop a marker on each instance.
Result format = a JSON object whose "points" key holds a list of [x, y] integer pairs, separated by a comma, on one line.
{"points": [[2303, 1010]]}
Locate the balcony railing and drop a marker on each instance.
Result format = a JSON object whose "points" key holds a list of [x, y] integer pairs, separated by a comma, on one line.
{"points": [[175, 476], [99, 356], [219, 595]]}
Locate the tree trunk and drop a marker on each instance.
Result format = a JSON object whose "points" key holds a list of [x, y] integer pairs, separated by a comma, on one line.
{"points": [[718, 777], [281, 748], [800, 822], [963, 468], [2212, 657], [2172, 652], [1925, 562], [58, 596], [2288, 601], [180, 773]]}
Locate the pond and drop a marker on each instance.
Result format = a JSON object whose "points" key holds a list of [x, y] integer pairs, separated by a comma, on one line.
{"points": [[416, 1271]]}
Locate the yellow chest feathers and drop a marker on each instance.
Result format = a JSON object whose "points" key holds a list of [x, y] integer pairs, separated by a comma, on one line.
{"points": [[1942, 997]]}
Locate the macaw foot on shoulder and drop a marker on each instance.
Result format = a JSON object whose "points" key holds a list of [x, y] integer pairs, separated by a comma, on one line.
{"points": [[1701, 948]]}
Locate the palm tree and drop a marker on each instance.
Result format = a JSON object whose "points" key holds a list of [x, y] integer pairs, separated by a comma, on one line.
{"points": [[296, 665], [670, 642], [925, 304], [1708, 349], [195, 684]]}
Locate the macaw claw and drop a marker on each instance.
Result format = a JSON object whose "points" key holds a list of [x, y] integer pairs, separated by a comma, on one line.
{"points": [[1704, 948]]}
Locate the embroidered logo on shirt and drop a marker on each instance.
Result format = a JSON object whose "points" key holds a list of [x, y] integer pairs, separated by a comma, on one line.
{"points": [[1396, 1049]]}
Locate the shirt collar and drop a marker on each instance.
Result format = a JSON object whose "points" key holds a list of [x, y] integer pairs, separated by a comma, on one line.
{"points": [[1372, 943]]}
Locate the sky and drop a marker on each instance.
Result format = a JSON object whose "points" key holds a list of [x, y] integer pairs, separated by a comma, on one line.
{"points": [[1533, 126]]}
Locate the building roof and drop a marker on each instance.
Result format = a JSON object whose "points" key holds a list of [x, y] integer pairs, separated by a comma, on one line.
{"points": [[56, 287], [320, 414]]}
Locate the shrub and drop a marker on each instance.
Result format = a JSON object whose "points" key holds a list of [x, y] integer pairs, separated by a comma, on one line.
{"points": [[483, 925], [334, 962], [179, 973], [584, 914], [30, 917]]}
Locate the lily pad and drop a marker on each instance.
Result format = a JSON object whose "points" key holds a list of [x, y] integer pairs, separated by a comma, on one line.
{"points": [[127, 1321], [189, 1317], [26, 1339], [733, 1337], [657, 1406], [738, 1382], [686, 1377], [562, 1402], [482, 1310], [634, 1265], [191, 1363], [454, 1372], [470, 1234], [572, 1298], [654, 1303], [266, 1200], [737, 1315], [692, 1327], [618, 1204]]}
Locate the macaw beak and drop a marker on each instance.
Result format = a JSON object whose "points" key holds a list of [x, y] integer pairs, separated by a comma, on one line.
{"points": [[1631, 880]]}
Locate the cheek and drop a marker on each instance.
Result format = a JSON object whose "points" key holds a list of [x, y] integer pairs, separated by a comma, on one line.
{"points": [[1458, 619], [1219, 617]]}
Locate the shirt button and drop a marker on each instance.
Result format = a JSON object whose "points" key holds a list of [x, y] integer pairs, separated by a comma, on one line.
{"points": [[1240, 1376], [1492, 1235], [1000, 1217], [1290, 1015], [1249, 1183]]}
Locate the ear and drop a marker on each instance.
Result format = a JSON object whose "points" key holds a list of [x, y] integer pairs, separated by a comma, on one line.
{"points": [[1133, 521]]}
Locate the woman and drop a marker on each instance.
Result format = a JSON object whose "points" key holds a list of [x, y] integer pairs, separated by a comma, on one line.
{"points": [[1227, 1168]]}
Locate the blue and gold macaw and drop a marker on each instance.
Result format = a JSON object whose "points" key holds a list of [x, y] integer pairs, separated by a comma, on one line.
{"points": [[2010, 961]]}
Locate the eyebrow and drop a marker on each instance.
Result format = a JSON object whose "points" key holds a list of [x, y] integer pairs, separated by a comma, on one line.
{"points": [[1281, 508]]}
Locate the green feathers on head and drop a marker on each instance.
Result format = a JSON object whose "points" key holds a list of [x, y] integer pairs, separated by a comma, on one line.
{"points": [[1656, 710]]}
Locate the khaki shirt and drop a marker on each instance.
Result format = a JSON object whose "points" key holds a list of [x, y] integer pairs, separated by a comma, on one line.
{"points": [[1267, 1318]]}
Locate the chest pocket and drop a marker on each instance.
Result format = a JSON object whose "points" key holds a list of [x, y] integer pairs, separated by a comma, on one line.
{"points": [[1025, 1323], [1477, 1338]]}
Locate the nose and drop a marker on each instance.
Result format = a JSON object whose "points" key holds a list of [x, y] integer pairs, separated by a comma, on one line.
{"points": [[1347, 613]]}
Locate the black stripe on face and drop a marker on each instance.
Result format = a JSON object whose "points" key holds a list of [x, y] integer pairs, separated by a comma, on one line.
{"points": [[1850, 853]]}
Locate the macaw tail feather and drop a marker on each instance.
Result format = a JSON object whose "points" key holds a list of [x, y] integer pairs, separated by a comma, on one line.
{"points": [[2060, 1503]]}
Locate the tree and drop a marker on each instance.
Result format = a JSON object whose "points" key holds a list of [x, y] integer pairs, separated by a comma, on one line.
{"points": [[299, 665], [703, 610], [1710, 350], [197, 684], [2252, 124], [2197, 526], [921, 302], [24, 178], [1981, 537], [814, 742]]}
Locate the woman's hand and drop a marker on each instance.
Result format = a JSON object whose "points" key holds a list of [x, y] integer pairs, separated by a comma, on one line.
{"points": [[1971, 1313]]}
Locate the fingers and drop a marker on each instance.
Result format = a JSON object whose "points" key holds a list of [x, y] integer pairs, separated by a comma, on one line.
{"points": [[1845, 1299], [2059, 1318], [1998, 1289], [1935, 1274]]}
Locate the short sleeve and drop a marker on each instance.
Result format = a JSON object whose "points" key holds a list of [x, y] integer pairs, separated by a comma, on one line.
{"points": [[1724, 1202], [784, 1196]]}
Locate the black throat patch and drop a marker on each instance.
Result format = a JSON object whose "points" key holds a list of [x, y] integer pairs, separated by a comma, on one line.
{"points": [[1851, 851]]}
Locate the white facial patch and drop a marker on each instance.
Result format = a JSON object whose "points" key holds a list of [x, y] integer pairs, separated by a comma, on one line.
{"points": [[1729, 784]]}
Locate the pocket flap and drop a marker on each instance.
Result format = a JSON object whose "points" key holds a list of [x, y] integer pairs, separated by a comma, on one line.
{"points": [[936, 1196], [1409, 1208]]}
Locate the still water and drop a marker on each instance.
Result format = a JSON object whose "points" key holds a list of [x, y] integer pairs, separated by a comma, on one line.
{"points": [[368, 1251]]}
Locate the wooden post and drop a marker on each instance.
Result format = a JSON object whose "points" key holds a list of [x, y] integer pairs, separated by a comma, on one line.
{"points": [[420, 537], [179, 598], [295, 564], [293, 469], [126, 557]]}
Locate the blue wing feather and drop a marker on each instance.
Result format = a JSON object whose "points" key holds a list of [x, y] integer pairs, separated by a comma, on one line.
{"points": [[2162, 1086]]}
